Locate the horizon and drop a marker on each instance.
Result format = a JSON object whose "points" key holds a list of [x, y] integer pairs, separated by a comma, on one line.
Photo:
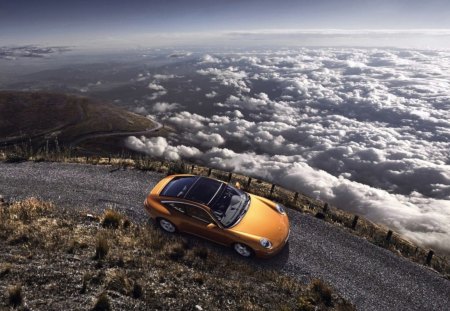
{"points": [[116, 25]]}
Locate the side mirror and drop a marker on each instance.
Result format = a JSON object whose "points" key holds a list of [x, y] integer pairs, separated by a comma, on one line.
{"points": [[237, 185], [211, 226]]}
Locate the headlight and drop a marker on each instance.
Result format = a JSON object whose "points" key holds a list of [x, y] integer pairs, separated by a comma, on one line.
{"points": [[280, 209], [265, 243]]}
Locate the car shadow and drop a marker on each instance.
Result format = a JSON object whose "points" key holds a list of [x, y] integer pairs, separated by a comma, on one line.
{"points": [[278, 261]]}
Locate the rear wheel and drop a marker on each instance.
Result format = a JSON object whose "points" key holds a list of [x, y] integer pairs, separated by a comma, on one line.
{"points": [[167, 225], [243, 250]]}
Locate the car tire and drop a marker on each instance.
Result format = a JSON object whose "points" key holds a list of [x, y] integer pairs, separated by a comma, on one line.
{"points": [[167, 225], [243, 250]]}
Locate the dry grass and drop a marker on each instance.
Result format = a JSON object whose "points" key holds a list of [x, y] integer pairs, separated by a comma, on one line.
{"points": [[111, 219], [141, 269], [15, 297], [101, 247], [102, 303]]}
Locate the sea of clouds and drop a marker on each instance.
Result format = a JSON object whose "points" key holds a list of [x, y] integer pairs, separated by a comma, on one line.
{"points": [[367, 130]]}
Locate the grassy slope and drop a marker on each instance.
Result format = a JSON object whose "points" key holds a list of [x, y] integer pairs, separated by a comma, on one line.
{"points": [[59, 260], [68, 117]]}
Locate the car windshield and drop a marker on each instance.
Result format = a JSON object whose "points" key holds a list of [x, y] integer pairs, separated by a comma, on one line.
{"points": [[178, 186], [230, 205]]}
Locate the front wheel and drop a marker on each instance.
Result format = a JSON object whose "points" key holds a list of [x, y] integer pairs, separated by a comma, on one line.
{"points": [[243, 250], [167, 225]]}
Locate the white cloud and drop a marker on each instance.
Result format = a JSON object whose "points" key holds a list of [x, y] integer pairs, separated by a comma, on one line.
{"points": [[188, 120], [141, 110], [229, 76], [158, 147], [212, 94], [210, 59], [156, 87], [162, 77], [164, 107], [365, 129], [209, 140]]}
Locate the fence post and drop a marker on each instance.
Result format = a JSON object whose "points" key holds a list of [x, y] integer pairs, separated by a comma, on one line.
{"points": [[109, 159], [230, 175], [271, 190], [389, 236], [429, 257], [248, 182], [209, 172], [355, 221], [295, 198], [192, 168], [325, 208]]}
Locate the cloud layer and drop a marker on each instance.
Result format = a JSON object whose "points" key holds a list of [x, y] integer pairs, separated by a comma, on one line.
{"points": [[365, 129]]}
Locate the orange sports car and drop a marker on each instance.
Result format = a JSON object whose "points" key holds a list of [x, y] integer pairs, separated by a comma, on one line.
{"points": [[219, 212]]}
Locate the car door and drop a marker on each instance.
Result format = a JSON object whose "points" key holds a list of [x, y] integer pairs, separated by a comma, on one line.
{"points": [[178, 212], [201, 224]]}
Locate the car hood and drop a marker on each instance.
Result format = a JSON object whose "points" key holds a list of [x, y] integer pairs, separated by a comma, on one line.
{"points": [[262, 220]]}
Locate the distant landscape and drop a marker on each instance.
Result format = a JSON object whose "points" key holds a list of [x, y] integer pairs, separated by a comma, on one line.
{"points": [[47, 121], [365, 129]]}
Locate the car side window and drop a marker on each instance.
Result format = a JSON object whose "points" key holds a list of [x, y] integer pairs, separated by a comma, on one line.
{"points": [[198, 214], [176, 206]]}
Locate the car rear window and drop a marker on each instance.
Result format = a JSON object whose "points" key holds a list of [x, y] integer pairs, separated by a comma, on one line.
{"points": [[178, 186], [203, 190]]}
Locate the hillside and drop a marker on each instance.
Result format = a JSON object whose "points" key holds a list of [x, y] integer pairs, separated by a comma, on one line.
{"points": [[57, 259], [41, 118], [370, 277]]}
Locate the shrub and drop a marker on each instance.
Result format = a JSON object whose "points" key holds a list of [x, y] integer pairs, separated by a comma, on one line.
{"points": [[15, 158], [137, 290], [176, 252], [304, 304], [102, 303], [111, 219], [15, 297], [177, 168], [322, 292], [118, 282], [101, 248], [201, 252], [5, 268]]}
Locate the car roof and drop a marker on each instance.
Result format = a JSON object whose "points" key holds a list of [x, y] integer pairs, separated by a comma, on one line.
{"points": [[193, 188]]}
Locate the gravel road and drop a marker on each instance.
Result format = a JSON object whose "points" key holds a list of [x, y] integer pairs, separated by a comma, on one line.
{"points": [[370, 277]]}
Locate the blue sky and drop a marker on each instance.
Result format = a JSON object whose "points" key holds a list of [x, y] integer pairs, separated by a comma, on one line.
{"points": [[83, 21]]}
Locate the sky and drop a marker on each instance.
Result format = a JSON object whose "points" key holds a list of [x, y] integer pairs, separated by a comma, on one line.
{"points": [[143, 21]]}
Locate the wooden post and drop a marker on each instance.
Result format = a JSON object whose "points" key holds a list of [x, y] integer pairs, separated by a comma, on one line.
{"points": [[325, 208], [230, 175], [389, 236], [295, 198], [271, 190], [248, 182], [192, 168], [209, 172], [109, 159], [355, 221], [429, 257]]}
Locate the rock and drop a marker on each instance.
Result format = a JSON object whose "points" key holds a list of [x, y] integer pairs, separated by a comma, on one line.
{"points": [[92, 217], [197, 307]]}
